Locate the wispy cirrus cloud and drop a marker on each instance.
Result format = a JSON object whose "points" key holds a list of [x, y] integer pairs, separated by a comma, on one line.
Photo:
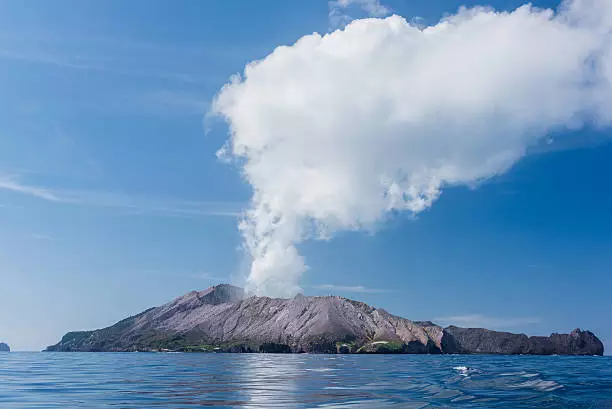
{"points": [[42, 237], [348, 288], [484, 321], [127, 203], [178, 63], [199, 276], [10, 182], [209, 277], [62, 61]]}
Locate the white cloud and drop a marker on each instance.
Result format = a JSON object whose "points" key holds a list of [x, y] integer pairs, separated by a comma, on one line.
{"points": [[482, 321], [76, 63], [9, 182], [127, 203], [339, 9], [348, 288], [210, 277], [336, 131], [199, 276], [373, 7]]}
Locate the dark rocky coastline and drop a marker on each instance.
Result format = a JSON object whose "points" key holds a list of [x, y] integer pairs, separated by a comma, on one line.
{"points": [[222, 319]]}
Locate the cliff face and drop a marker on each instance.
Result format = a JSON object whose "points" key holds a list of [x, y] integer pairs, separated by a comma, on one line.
{"points": [[222, 319], [4, 347], [479, 340]]}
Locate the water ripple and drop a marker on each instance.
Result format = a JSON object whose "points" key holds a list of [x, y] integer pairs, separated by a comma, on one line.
{"points": [[106, 380]]}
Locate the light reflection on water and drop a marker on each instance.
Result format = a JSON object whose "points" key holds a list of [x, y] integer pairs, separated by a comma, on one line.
{"points": [[143, 380]]}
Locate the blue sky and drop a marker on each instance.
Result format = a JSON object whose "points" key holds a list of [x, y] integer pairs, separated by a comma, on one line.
{"points": [[112, 199]]}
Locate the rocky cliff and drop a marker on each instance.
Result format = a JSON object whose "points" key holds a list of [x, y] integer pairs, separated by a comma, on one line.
{"points": [[221, 318], [479, 340], [4, 347]]}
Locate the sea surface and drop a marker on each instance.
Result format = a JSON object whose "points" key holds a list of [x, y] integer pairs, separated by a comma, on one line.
{"points": [[150, 380]]}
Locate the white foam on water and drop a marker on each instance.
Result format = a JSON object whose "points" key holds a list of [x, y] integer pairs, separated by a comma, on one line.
{"points": [[463, 370], [540, 385]]}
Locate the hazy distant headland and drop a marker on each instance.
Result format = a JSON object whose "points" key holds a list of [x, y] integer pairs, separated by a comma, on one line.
{"points": [[223, 319], [4, 347]]}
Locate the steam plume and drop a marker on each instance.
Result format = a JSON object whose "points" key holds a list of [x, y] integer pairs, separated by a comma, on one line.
{"points": [[337, 130]]}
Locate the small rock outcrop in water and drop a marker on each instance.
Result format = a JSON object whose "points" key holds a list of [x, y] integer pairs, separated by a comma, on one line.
{"points": [[223, 319], [4, 347]]}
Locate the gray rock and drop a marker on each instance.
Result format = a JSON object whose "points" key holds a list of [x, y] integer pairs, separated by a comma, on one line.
{"points": [[483, 341], [4, 347], [224, 319]]}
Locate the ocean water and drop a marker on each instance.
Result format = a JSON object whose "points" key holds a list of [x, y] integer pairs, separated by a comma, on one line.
{"points": [[149, 380]]}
